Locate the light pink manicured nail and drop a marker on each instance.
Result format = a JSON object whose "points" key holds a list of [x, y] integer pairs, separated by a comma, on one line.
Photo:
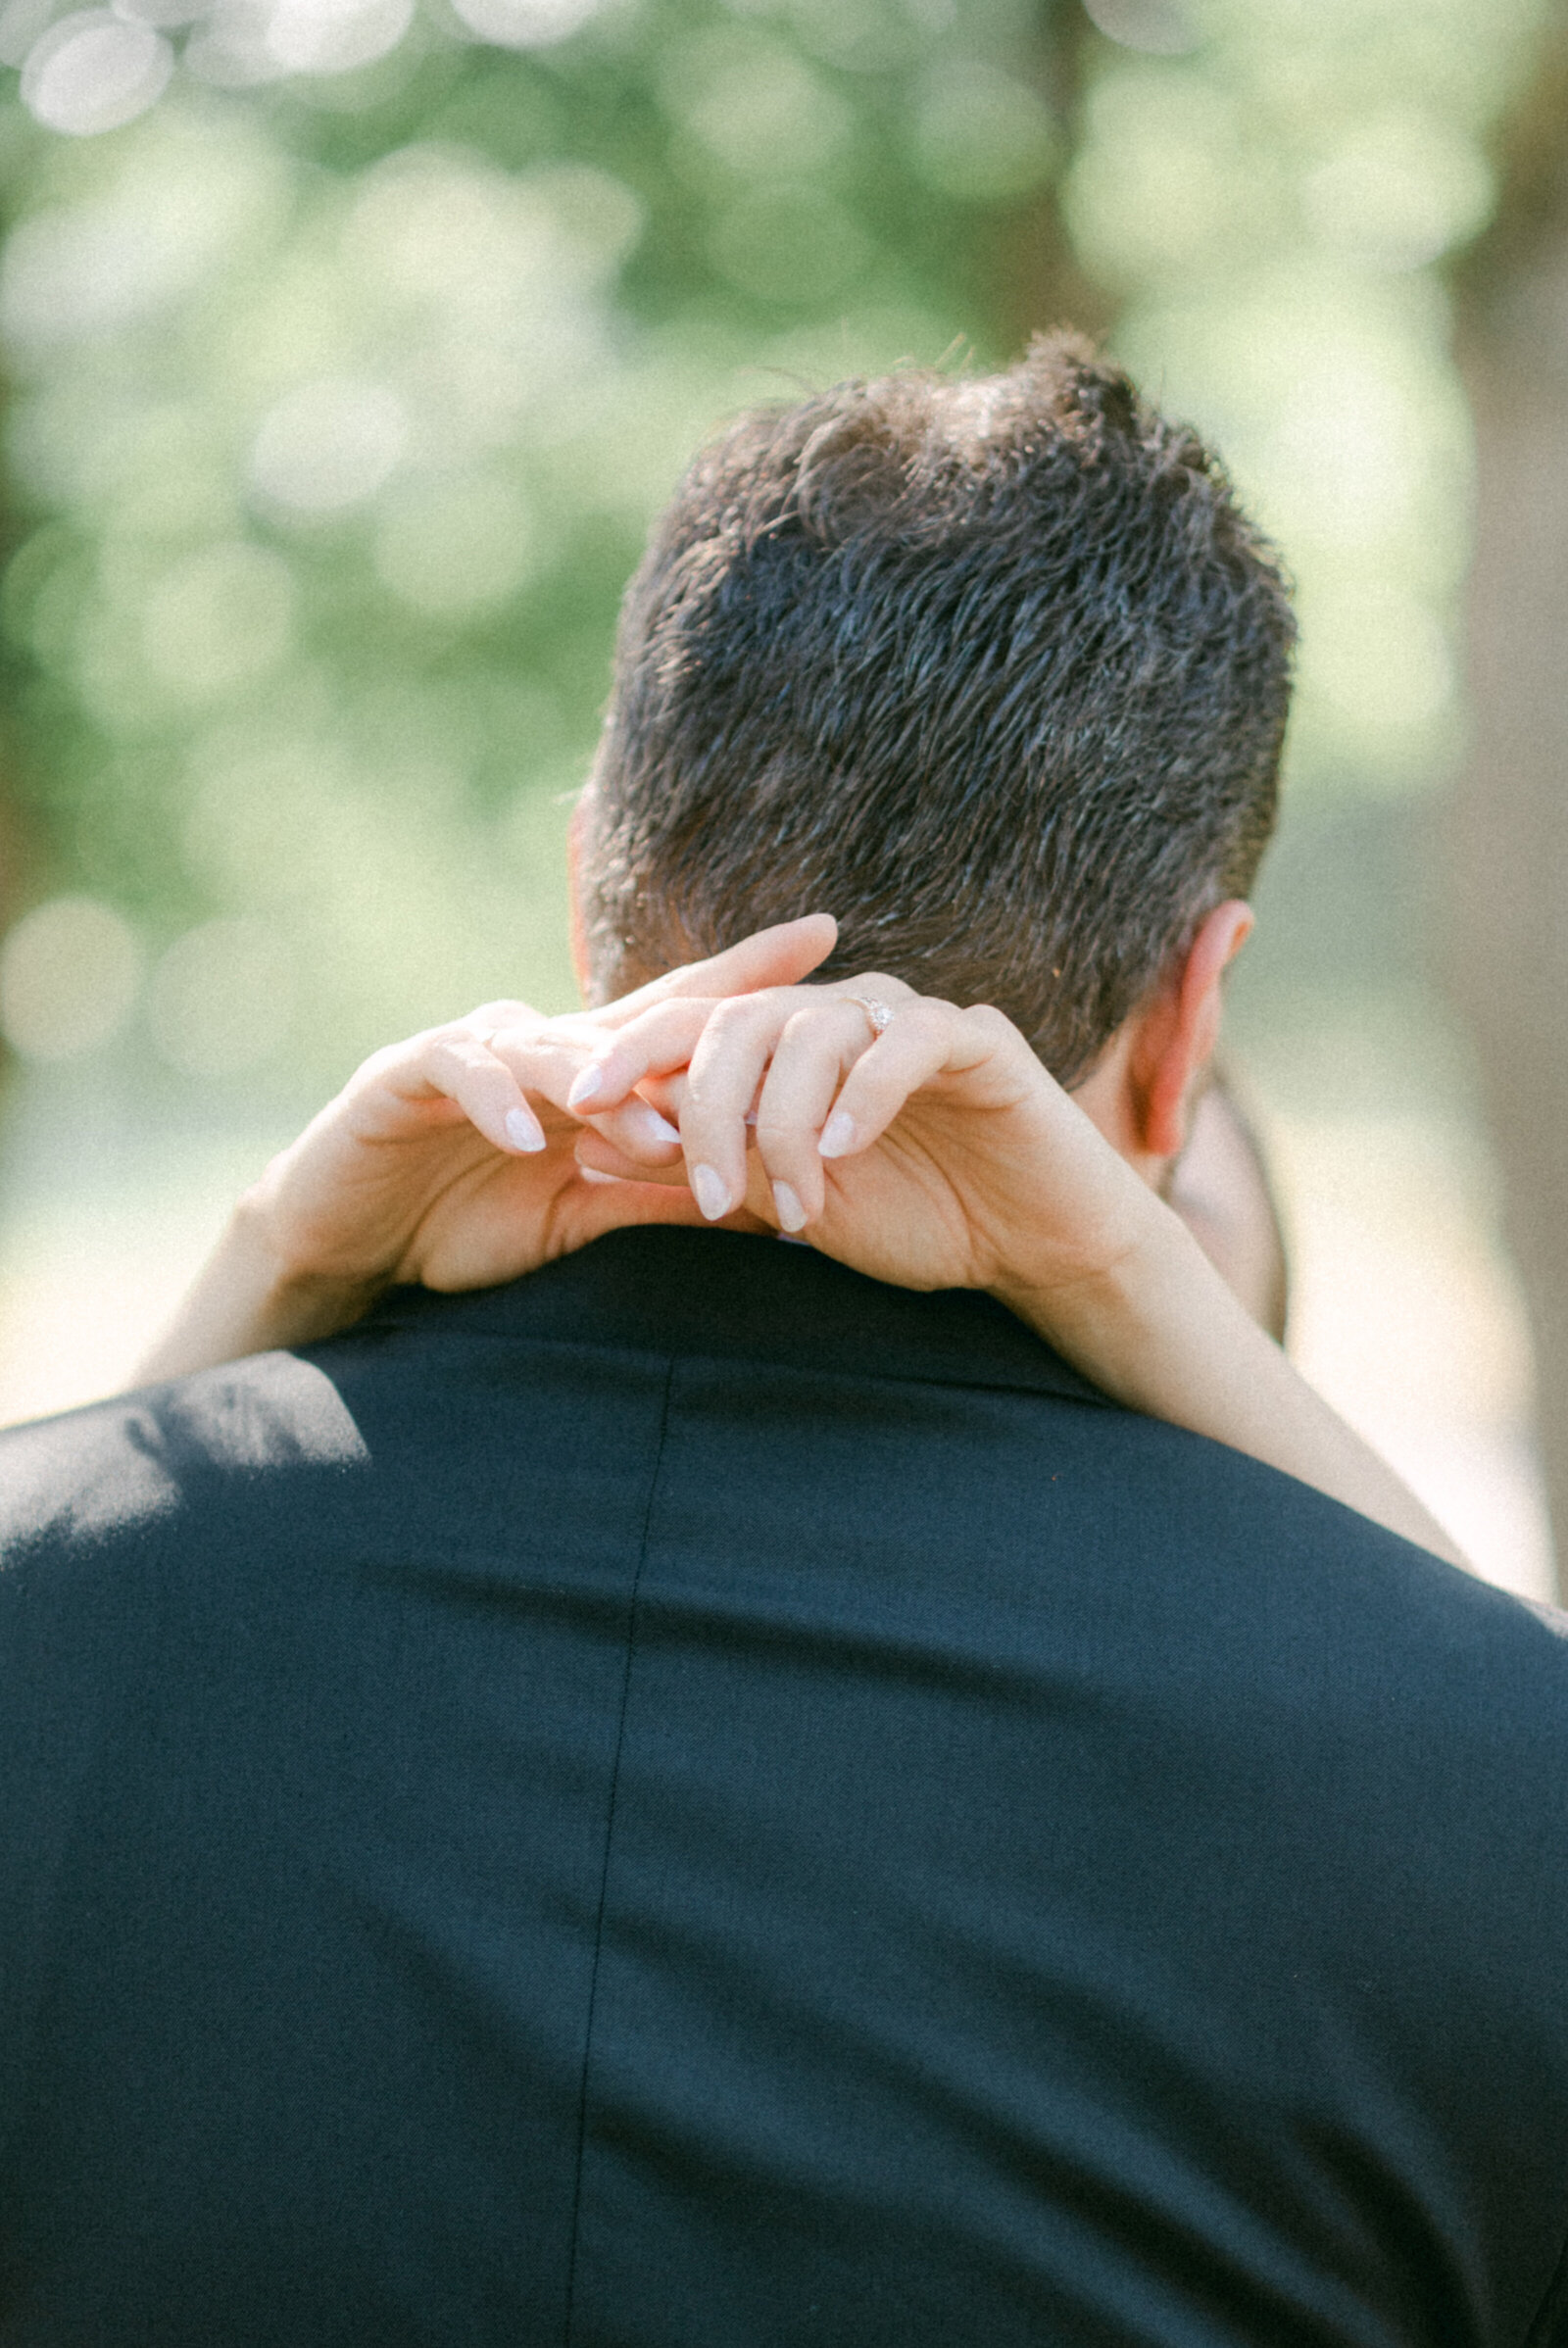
{"points": [[588, 1085], [522, 1130], [593, 1174], [710, 1192], [655, 1128], [838, 1136], [791, 1214]]}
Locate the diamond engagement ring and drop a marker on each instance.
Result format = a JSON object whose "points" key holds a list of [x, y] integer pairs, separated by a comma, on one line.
{"points": [[879, 1013]]}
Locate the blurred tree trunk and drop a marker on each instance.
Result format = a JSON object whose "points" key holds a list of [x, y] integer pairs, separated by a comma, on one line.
{"points": [[1032, 278], [1507, 864]]}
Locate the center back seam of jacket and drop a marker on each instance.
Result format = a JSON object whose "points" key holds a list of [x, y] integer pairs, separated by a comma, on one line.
{"points": [[609, 1835]]}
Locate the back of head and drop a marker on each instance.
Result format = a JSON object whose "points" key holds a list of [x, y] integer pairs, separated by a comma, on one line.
{"points": [[993, 671]]}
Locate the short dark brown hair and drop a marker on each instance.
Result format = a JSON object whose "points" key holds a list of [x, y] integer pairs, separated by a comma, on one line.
{"points": [[994, 670]]}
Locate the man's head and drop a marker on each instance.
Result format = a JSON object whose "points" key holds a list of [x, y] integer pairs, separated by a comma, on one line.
{"points": [[993, 671]]}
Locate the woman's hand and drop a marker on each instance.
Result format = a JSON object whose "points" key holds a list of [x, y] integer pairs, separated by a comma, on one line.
{"points": [[938, 1152], [918, 1143], [447, 1160]]}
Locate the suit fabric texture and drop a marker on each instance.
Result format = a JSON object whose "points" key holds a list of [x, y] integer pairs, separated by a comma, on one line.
{"points": [[701, 1801]]}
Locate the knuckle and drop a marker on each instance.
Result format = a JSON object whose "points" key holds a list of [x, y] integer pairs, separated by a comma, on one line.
{"points": [[921, 1013], [628, 1056], [778, 1133], [808, 1016], [924, 1011], [675, 1012], [733, 1017], [636, 1035]]}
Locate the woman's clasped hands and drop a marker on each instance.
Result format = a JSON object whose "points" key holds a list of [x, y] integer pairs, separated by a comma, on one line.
{"points": [[919, 1143]]}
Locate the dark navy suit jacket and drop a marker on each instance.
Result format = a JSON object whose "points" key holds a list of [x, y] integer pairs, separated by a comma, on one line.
{"points": [[698, 1801]]}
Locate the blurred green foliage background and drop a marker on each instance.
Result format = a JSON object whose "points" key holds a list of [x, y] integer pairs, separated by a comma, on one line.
{"points": [[347, 374], [341, 402], [349, 347]]}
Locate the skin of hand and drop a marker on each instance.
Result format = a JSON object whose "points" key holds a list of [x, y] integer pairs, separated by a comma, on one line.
{"points": [[941, 1154], [449, 1160], [938, 1155]]}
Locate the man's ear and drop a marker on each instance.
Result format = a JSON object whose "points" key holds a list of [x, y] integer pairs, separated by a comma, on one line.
{"points": [[1176, 1034]]}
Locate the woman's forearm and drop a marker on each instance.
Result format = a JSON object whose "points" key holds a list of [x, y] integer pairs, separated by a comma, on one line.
{"points": [[244, 1300], [1164, 1334]]}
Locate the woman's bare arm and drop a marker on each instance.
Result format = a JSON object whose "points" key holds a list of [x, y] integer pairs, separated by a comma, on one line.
{"points": [[940, 1153], [937, 1155]]}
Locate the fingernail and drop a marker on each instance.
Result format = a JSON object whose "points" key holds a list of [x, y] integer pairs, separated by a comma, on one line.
{"points": [[592, 1174], [710, 1192], [791, 1214], [655, 1127], [838, 1136], [587, 1087], [522, 1130]]}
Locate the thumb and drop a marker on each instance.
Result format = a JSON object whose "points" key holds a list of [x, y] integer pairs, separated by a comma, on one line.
{"points": [[780, 956]]}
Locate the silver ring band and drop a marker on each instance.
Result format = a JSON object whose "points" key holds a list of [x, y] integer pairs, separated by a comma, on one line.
{"points": [[879, 1013]]}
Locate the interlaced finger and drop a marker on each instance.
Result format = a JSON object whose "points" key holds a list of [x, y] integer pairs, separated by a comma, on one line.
{"points": [[599, 1161], [462, 1066], [724, 1050], [926, 1038], [547, 1060], [727, 1066], [488, 1075], [821, 1044], [657, 1043], [778, 957]]}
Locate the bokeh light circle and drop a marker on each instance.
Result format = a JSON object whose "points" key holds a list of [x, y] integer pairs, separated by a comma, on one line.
{"points": [[330, 444], [68, 975], [448, 547], [221, 1000], [221, 619], [171, 13], [95, 70], [334, 36], [524, 23], [1160, 28]]}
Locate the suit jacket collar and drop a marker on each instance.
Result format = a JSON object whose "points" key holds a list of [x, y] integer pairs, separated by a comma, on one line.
{"points": [[728, 1295]]}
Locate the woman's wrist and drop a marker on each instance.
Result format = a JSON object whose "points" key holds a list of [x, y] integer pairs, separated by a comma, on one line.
{"points": [[250, 1296], [1159, 1331], [1111, 1319]]}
